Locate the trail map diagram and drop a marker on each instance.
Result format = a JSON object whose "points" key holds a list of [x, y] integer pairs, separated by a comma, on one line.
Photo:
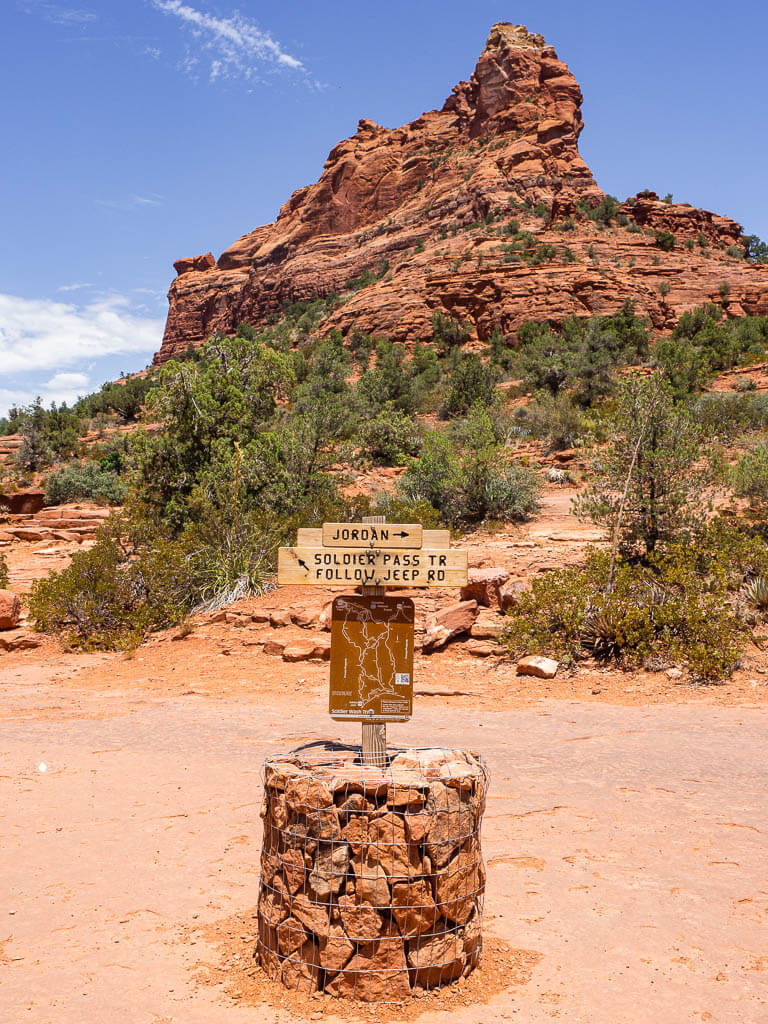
{"points": [[371, 659]]}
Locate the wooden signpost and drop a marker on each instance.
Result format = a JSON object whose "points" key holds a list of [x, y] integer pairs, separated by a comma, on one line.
{"points": [[371, 679]]}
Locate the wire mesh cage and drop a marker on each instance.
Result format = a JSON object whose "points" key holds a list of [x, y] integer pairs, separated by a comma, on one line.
{"points": [[372, 877]]}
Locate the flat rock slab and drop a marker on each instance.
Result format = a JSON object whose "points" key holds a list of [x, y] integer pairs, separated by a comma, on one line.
{"points": [[624, 845], [535, 665]]}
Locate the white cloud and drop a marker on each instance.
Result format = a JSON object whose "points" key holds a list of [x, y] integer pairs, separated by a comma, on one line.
{"points": [[237, 46], [67, 381], [40, 334]]}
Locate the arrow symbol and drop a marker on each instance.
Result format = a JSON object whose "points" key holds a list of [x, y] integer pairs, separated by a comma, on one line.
{"points": [[303, 564], [403, 533]]}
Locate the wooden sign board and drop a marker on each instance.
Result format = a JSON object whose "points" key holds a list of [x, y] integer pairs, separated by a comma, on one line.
{"points": [[312, 537], [371, 659], [372, 535], [372, 567]]}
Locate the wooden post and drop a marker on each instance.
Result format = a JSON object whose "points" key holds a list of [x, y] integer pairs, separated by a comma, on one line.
{"points": [[374, 741]]}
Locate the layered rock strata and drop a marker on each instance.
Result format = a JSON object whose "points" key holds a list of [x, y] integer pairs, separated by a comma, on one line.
{"points": [[372, 879], [424, 209]]}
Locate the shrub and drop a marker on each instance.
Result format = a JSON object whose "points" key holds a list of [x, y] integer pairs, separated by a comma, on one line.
{"points": [[48, 434], [448, 332], [401, 510], [390, 438], [647, 488], [85, 482], [388, 383], [603, 213], [206, 408], [683, 365], [3, 572], [471, 485], [726, 415], [664, 240], [722, 344], [665, 608], [583, 354], [556, 417], [135, 580], [749, 477], [471, 381], [123, 398], [108, 597]]}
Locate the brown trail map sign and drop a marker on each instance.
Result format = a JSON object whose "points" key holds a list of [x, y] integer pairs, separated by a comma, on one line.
{"points": [[371, 659]]}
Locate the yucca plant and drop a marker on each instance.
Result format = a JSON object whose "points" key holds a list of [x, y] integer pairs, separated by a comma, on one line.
{"points": [[601, 634], [756, 593]]}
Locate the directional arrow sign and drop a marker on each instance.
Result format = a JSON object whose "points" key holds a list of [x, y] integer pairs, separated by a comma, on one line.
{"points": [[376, 535], [333, 567]]}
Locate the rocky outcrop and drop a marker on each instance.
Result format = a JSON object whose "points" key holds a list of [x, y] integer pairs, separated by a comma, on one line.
{"points": [[424, 208]]}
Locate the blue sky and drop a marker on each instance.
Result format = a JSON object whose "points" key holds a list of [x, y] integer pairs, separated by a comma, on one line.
{"points": [[139, 131]]}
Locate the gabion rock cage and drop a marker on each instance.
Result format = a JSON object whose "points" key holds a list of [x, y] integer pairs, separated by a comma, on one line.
{"points": [[372, 878]]}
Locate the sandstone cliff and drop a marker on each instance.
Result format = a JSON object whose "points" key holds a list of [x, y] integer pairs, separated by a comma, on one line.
{"points": [[427, 207]]}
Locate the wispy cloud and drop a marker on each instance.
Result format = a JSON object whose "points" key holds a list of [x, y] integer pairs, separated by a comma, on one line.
{"points": [[59, 14], [236, 46], [43, 335], [134, 202], [76, 286]]}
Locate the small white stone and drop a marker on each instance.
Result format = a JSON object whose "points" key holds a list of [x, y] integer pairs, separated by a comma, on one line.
{"points": [[534, 665], [42, 767]]}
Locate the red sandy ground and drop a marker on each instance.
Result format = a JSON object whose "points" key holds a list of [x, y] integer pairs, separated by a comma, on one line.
{"points": [[625, 834]]}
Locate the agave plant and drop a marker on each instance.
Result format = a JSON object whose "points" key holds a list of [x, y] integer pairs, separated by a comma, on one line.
{"points": [[600, 634], [756, 593]]}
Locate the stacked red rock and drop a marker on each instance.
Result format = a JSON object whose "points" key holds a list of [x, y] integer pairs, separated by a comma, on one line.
{"points": [[372, 879]]}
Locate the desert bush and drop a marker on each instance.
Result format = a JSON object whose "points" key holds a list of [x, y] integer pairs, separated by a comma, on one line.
{"points": [[583, 354], [603, 213], [715, 343], [448, 332], [684, 366], [136, 579], [401, 510], [390, 438], [471, 380], [480, 482], [112, 595], [749, 477], [388, 383], [665, 240], [555, 417], [646, 485], [124, 399], [48, 434], [663, 609], [88, 481], [3, 572], [227, 398], [725, 414]]}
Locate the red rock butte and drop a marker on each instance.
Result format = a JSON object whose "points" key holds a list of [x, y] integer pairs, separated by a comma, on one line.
{"points": [[420, 208]]}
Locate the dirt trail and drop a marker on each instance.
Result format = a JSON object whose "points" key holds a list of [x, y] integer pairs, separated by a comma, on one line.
{"points": [[626, 847], [625, 834]]}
